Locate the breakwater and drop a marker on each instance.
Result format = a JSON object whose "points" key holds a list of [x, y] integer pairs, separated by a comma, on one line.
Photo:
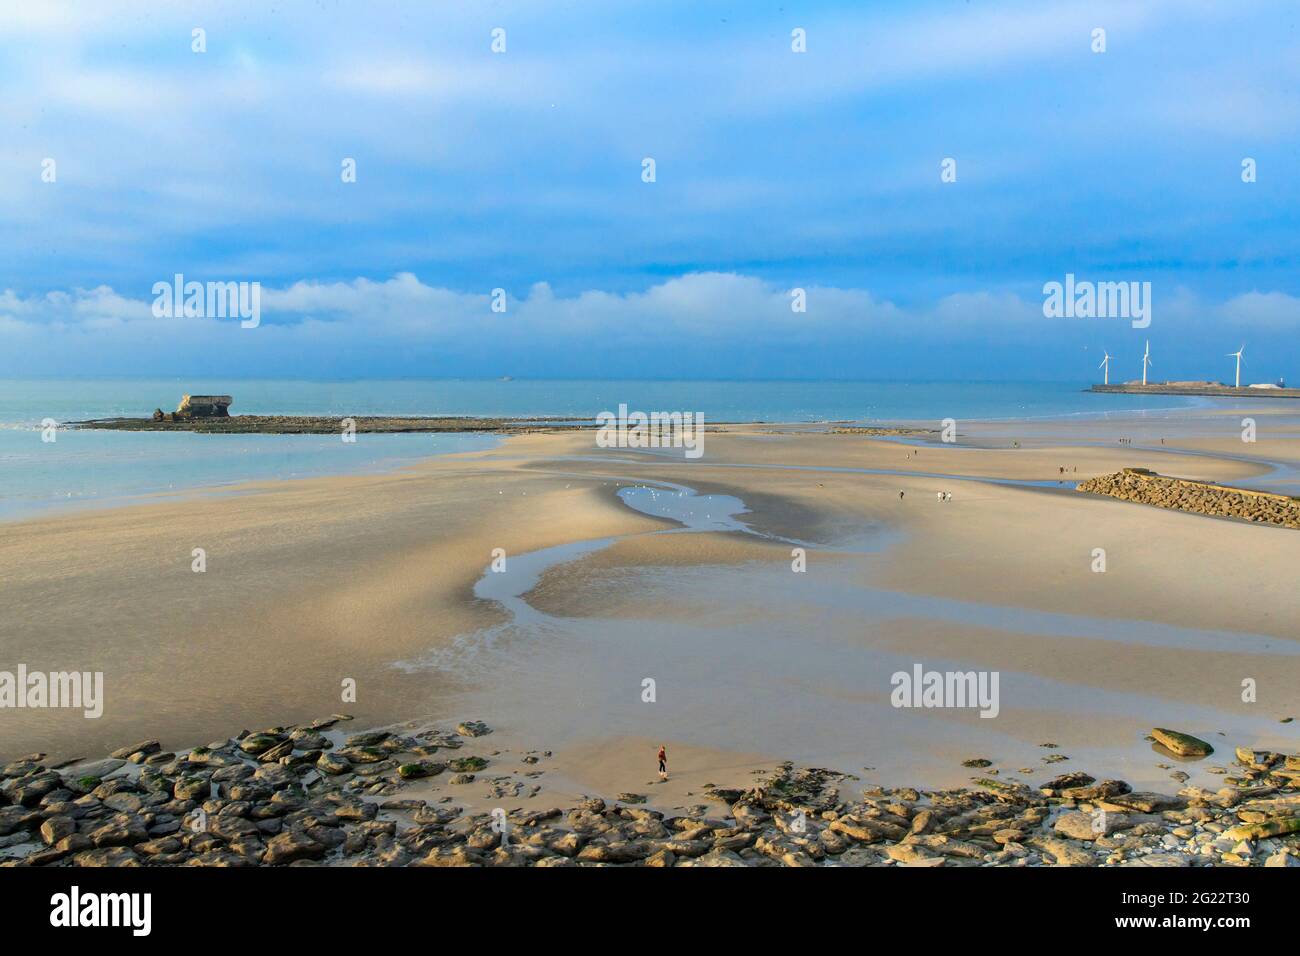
{"points": [[1148, 488]]}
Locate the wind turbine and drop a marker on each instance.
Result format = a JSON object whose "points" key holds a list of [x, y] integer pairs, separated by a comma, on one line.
{"points": [[1238, 356], [1105, 364], [1146, 360]]}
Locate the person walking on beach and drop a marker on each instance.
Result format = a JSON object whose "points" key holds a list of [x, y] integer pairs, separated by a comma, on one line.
{"points": [[663, 763]]}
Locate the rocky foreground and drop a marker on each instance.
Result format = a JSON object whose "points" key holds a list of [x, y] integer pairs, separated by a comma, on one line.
{"points": [[1148, 488], [309, 796]]}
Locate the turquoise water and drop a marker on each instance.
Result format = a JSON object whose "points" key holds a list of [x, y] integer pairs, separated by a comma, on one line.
{"points": [[31, 400], [96, 467]]}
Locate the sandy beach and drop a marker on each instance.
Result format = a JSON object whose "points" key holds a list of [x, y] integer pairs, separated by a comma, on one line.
{"points": [[653, 436], [385, 580]]}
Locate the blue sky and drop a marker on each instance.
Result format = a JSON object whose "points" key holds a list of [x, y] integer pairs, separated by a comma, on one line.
{"points": [[775, 170]]}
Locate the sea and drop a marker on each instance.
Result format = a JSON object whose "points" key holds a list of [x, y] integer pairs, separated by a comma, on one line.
{"points": [[89, 468]]}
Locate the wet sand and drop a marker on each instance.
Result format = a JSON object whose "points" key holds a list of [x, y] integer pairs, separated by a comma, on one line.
{"points": [[385, 579]]}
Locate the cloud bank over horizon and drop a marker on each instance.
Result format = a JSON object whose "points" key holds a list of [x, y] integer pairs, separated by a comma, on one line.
{"points": [[677, 328]]}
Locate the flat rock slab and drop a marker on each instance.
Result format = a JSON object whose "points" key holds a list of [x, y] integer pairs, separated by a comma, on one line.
{"points": [[1184, 745], [1078, 825], [1147, 802], [1160, 859], [1066, 854]]}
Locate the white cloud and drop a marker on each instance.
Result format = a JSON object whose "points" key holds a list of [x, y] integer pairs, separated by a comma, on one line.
{"points": [[410, 77], [1268, 310], [134, 92], [707, 306]]}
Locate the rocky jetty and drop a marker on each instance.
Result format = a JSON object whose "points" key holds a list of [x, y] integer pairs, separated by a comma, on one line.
{"points": [[878, 431], [307, 795], [325, 425], [184, 419], [1217, 389], [1148, 488]]}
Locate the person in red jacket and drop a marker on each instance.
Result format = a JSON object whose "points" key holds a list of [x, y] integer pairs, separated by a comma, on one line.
{"points": [[663, 763]]}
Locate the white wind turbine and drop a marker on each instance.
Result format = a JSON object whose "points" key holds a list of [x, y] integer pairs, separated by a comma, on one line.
{"points": [[1146, 361], [1105, 364], [1238, 357]]}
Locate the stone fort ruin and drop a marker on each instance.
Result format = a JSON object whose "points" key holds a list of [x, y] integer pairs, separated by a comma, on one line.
{"points": [[198, 406]]}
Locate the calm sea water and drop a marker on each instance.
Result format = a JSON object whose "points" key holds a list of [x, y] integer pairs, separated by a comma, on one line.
{"points": [[95, 467]]}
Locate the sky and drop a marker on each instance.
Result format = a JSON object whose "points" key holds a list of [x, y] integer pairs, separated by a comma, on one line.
{"points": [[774, 170]]}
